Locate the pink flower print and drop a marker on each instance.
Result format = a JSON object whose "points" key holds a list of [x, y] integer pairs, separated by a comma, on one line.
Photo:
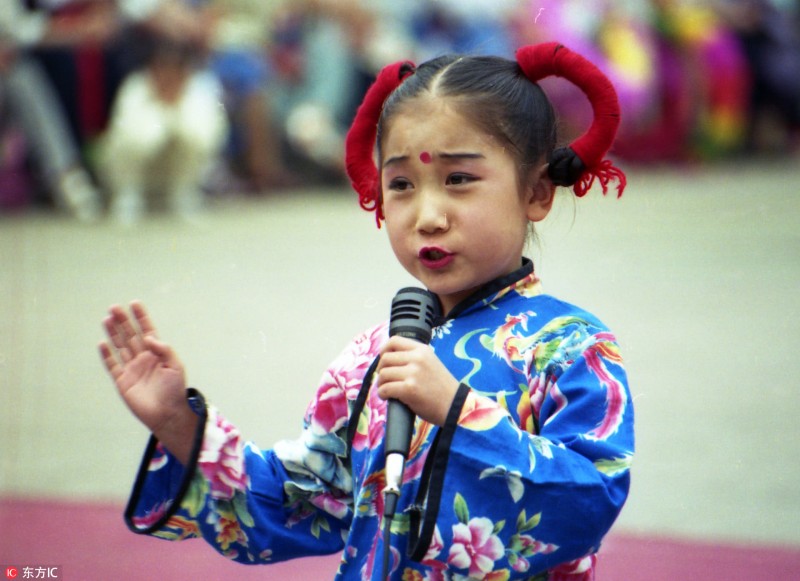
{"points": [[221, 459], [351, 366], [578, 570], [329, 411], [342, 382], [370, 425], [376, 428], [330, 504], [475, 546], [524, 546]]}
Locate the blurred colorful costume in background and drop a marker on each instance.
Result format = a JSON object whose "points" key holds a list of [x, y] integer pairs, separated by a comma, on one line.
{"points": [[681, 76]]}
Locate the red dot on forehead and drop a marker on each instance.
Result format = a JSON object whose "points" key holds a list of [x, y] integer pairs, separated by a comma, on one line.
{"points": [[425, 157]]}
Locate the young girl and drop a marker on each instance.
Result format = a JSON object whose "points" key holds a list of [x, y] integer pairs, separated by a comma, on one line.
{"points": [[519, 461]]}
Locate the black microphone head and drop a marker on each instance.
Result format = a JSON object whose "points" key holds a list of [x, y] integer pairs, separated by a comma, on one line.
{"points": [[414, 312]]}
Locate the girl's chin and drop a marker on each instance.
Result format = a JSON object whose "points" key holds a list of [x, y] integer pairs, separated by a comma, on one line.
{"points": [[450, 288], [450, 297]]}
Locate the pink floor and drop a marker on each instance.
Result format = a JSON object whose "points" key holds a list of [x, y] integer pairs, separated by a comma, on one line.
{"points": [[89, 542]]}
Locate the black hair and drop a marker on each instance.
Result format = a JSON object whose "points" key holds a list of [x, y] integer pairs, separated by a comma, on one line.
{"points": [[492, 92]]}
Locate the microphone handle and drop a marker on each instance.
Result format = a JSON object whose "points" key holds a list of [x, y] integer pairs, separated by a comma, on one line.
{"points": [[397, 441], [400, 422]]}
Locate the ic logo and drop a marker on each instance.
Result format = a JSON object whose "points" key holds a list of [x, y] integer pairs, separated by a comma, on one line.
{"points": [[11, 572]]}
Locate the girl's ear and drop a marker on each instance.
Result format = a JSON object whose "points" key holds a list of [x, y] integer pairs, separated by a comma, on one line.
{"points": [[540, 194]]}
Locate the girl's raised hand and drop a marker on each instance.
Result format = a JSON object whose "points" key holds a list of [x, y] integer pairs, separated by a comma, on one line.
{"points": [[411, 372], [149, 377]]}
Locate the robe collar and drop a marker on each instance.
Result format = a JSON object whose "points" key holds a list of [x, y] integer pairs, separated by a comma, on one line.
{"points": [[494, 290]]}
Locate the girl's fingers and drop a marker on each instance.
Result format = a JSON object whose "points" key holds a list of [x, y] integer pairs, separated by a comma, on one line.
{"points": [[116, 338], [400, 343], [129, 336], [128, 332], [143, 319], [158, 348], [398, 358], [111, 363]]}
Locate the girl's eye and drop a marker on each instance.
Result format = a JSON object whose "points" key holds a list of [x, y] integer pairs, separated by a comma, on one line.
{"points": [[399, 184], [459, 179]]}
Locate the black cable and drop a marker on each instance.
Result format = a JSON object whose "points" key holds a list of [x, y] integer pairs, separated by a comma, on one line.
{"points": [[387, 546]]}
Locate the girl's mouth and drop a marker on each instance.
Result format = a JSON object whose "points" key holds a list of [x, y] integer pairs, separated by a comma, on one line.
{"points": [[435, 258]]}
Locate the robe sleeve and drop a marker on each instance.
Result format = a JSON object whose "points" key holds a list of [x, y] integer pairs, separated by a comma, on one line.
{"points": [[252, 505], [535, 502]]}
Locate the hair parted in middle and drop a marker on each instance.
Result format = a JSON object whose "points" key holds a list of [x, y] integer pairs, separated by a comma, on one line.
{"points": [[501, 98]]}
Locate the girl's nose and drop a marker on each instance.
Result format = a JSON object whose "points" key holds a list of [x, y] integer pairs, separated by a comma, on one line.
{"points": [[433, 221], [432, 218]]}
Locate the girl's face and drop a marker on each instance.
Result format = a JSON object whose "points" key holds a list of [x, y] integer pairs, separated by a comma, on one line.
{"points": [[455, 210]]}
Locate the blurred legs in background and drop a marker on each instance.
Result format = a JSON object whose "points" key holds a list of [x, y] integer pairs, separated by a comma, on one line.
{"points": [[38, 113]]}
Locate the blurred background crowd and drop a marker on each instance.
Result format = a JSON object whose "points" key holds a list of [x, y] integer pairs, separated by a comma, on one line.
{"points": [[116, 106]]}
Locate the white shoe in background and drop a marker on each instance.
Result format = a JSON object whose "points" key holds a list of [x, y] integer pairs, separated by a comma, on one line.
{"points": [[127, 206], [79, 195]]}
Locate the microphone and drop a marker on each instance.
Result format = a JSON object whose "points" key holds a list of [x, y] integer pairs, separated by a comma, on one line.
{"points": [[413, 313]]}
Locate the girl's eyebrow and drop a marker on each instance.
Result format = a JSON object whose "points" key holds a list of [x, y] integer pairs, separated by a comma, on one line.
{"points": [[395, 159], [461, 155], [447, 156]]}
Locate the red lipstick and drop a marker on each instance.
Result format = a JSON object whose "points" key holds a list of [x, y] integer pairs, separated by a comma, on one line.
{"points": [[435, 258]]}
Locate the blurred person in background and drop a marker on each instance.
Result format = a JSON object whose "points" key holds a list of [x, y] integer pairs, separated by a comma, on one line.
{"points": [[167, 124], [706, 78], [476, 27], [28, 100], [769, 32], [322, 53], [682, 79], [238, 42]]}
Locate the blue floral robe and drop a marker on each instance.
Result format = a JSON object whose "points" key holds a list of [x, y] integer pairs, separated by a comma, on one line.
{"points": [[525, 478]]}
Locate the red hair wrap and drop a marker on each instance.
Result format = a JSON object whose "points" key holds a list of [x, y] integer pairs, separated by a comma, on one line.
{"points": [[543, 60], [360, 140]]}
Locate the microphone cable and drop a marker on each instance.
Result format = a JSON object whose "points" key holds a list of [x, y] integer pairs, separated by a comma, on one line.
{"points": [[387, 546]]}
